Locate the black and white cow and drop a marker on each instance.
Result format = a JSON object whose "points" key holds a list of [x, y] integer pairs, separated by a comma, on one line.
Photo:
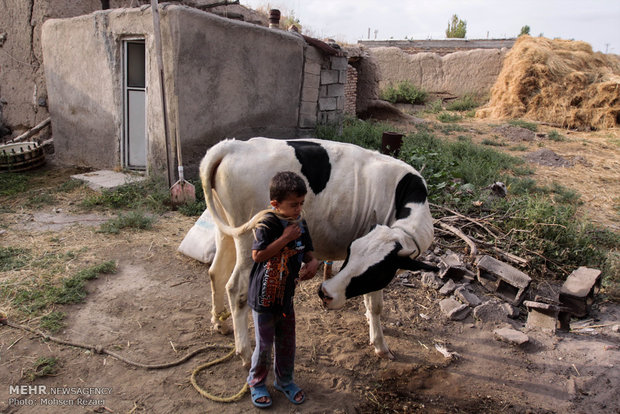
{"points": [[362, 206]]}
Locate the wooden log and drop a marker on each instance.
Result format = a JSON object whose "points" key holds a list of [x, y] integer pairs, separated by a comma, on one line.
{"points": [[31, 131]]}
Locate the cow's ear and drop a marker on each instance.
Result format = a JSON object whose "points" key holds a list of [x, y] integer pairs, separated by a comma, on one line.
{"points": [[411, 264]]}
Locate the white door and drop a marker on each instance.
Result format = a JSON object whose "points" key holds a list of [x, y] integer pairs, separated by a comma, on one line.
{"points": [[134, 142]]}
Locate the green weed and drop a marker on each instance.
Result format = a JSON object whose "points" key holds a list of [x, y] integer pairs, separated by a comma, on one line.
{"points": [[31, 297], [493, 142], [524, 124], [434, 107], [366, 134], [13, 183], [12, 258], [133, 220], [464, 103], [53, 322], [43, 367], [448, 117], [404, 92], [150, 195], [556, 136]]}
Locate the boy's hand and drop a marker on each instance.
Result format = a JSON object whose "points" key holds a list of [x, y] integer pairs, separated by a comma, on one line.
{"points": [[309, 270], [291, 232]]}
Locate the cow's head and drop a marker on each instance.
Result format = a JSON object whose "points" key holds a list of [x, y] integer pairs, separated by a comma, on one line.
{"points": [[371, 264]]}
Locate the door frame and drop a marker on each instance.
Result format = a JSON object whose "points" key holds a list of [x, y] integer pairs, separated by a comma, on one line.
{"points": [[124, 147]]}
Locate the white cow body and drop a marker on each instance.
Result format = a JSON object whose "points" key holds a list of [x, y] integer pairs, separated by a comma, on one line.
{"points": [[351, 206]]}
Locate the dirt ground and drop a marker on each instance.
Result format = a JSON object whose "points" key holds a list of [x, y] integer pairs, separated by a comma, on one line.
{"points": [[156, 308]]}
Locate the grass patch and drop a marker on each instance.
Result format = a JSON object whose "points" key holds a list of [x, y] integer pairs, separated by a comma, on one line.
{"points": [[43, 367], [133, 220], [434, 107], [40, 199], [53, 322], [556, 136], [404, 92], [13, 183], [449, 117], [464, 103], [520, 147], [32, 297], [366, 134], [524, 124], [12, 258], [493, 142], [150, 195], [448, 129], [70, 185]]}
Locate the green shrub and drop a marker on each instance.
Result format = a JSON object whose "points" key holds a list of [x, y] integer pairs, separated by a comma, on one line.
{"points": [[464, 103], [524, 124], [151, 195], [366, 134], [133, 219], [448, 117], [556, 136], [404, 92], [434, 107]]}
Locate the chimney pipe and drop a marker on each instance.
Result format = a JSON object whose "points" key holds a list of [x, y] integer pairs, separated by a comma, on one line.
{"points": [[274, 19]]}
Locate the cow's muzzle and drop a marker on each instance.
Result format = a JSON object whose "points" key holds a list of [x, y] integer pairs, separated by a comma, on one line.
{"points": [[325, 298]]}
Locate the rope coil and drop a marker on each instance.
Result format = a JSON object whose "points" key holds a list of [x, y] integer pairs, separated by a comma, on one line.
{"points": [[98, 349]]}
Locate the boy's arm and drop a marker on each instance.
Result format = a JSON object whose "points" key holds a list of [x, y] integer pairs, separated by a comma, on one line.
{"points": [[290, 233], [311, 267]]}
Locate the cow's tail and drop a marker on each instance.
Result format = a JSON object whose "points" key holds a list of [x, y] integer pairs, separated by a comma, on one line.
{"points": [[208, 170]]}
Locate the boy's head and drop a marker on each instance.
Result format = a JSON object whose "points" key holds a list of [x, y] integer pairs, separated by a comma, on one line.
{"points": [[287, 192]]}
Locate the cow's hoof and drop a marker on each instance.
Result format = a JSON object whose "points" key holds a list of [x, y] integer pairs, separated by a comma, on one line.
{"points": [[384, 354]]}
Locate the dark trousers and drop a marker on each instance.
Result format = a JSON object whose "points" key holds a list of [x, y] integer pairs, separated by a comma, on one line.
{"points": [[277, 332]]}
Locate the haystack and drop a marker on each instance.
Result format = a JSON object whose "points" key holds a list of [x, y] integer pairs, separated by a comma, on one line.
{"points": [[560, 82]]}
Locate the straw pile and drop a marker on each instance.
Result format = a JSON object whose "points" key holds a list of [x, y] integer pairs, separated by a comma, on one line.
{"points": [[560, 82]]}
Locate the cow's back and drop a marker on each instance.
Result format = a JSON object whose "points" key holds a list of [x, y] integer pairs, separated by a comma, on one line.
{"points": [[350, 189]]}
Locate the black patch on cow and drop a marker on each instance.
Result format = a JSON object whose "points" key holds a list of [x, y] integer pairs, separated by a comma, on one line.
{"points": [[314, 162], [379, 275], [410, 188]]}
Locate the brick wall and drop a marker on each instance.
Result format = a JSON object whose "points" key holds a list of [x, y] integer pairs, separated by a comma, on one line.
{"points": [[350, 91]]}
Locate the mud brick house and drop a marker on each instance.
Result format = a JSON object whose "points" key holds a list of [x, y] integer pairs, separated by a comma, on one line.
{"points": [[223, 78]]}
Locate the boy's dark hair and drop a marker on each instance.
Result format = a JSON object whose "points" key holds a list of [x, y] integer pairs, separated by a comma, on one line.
{"points": [[285, 183]]}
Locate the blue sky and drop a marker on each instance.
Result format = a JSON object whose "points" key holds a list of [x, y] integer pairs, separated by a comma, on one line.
{"points": [[595, 21]]}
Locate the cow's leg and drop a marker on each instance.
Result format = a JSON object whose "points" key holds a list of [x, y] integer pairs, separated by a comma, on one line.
{"points": [[237, 288], [219, 273], [374, 307]]}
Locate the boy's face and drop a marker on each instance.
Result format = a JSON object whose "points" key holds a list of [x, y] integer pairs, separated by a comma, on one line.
{"points": [[290, 207]]}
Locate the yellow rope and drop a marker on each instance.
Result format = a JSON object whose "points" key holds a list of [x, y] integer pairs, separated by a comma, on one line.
{"points": [[100, 350], [206, 394]]}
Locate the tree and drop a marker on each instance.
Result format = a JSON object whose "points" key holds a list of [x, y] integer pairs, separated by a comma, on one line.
{"points": [[525, 30], [456, 28]]}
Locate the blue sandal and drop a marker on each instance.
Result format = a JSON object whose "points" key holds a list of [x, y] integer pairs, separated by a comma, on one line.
{"points": [[291, 391], [259, 392]]}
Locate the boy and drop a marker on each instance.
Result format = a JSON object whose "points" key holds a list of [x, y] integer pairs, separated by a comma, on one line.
{"points": [[282, 243]]}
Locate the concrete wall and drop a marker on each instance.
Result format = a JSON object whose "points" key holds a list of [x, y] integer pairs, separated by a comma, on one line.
{"points": [[233, 79], [224, 78], [459, 73]]}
